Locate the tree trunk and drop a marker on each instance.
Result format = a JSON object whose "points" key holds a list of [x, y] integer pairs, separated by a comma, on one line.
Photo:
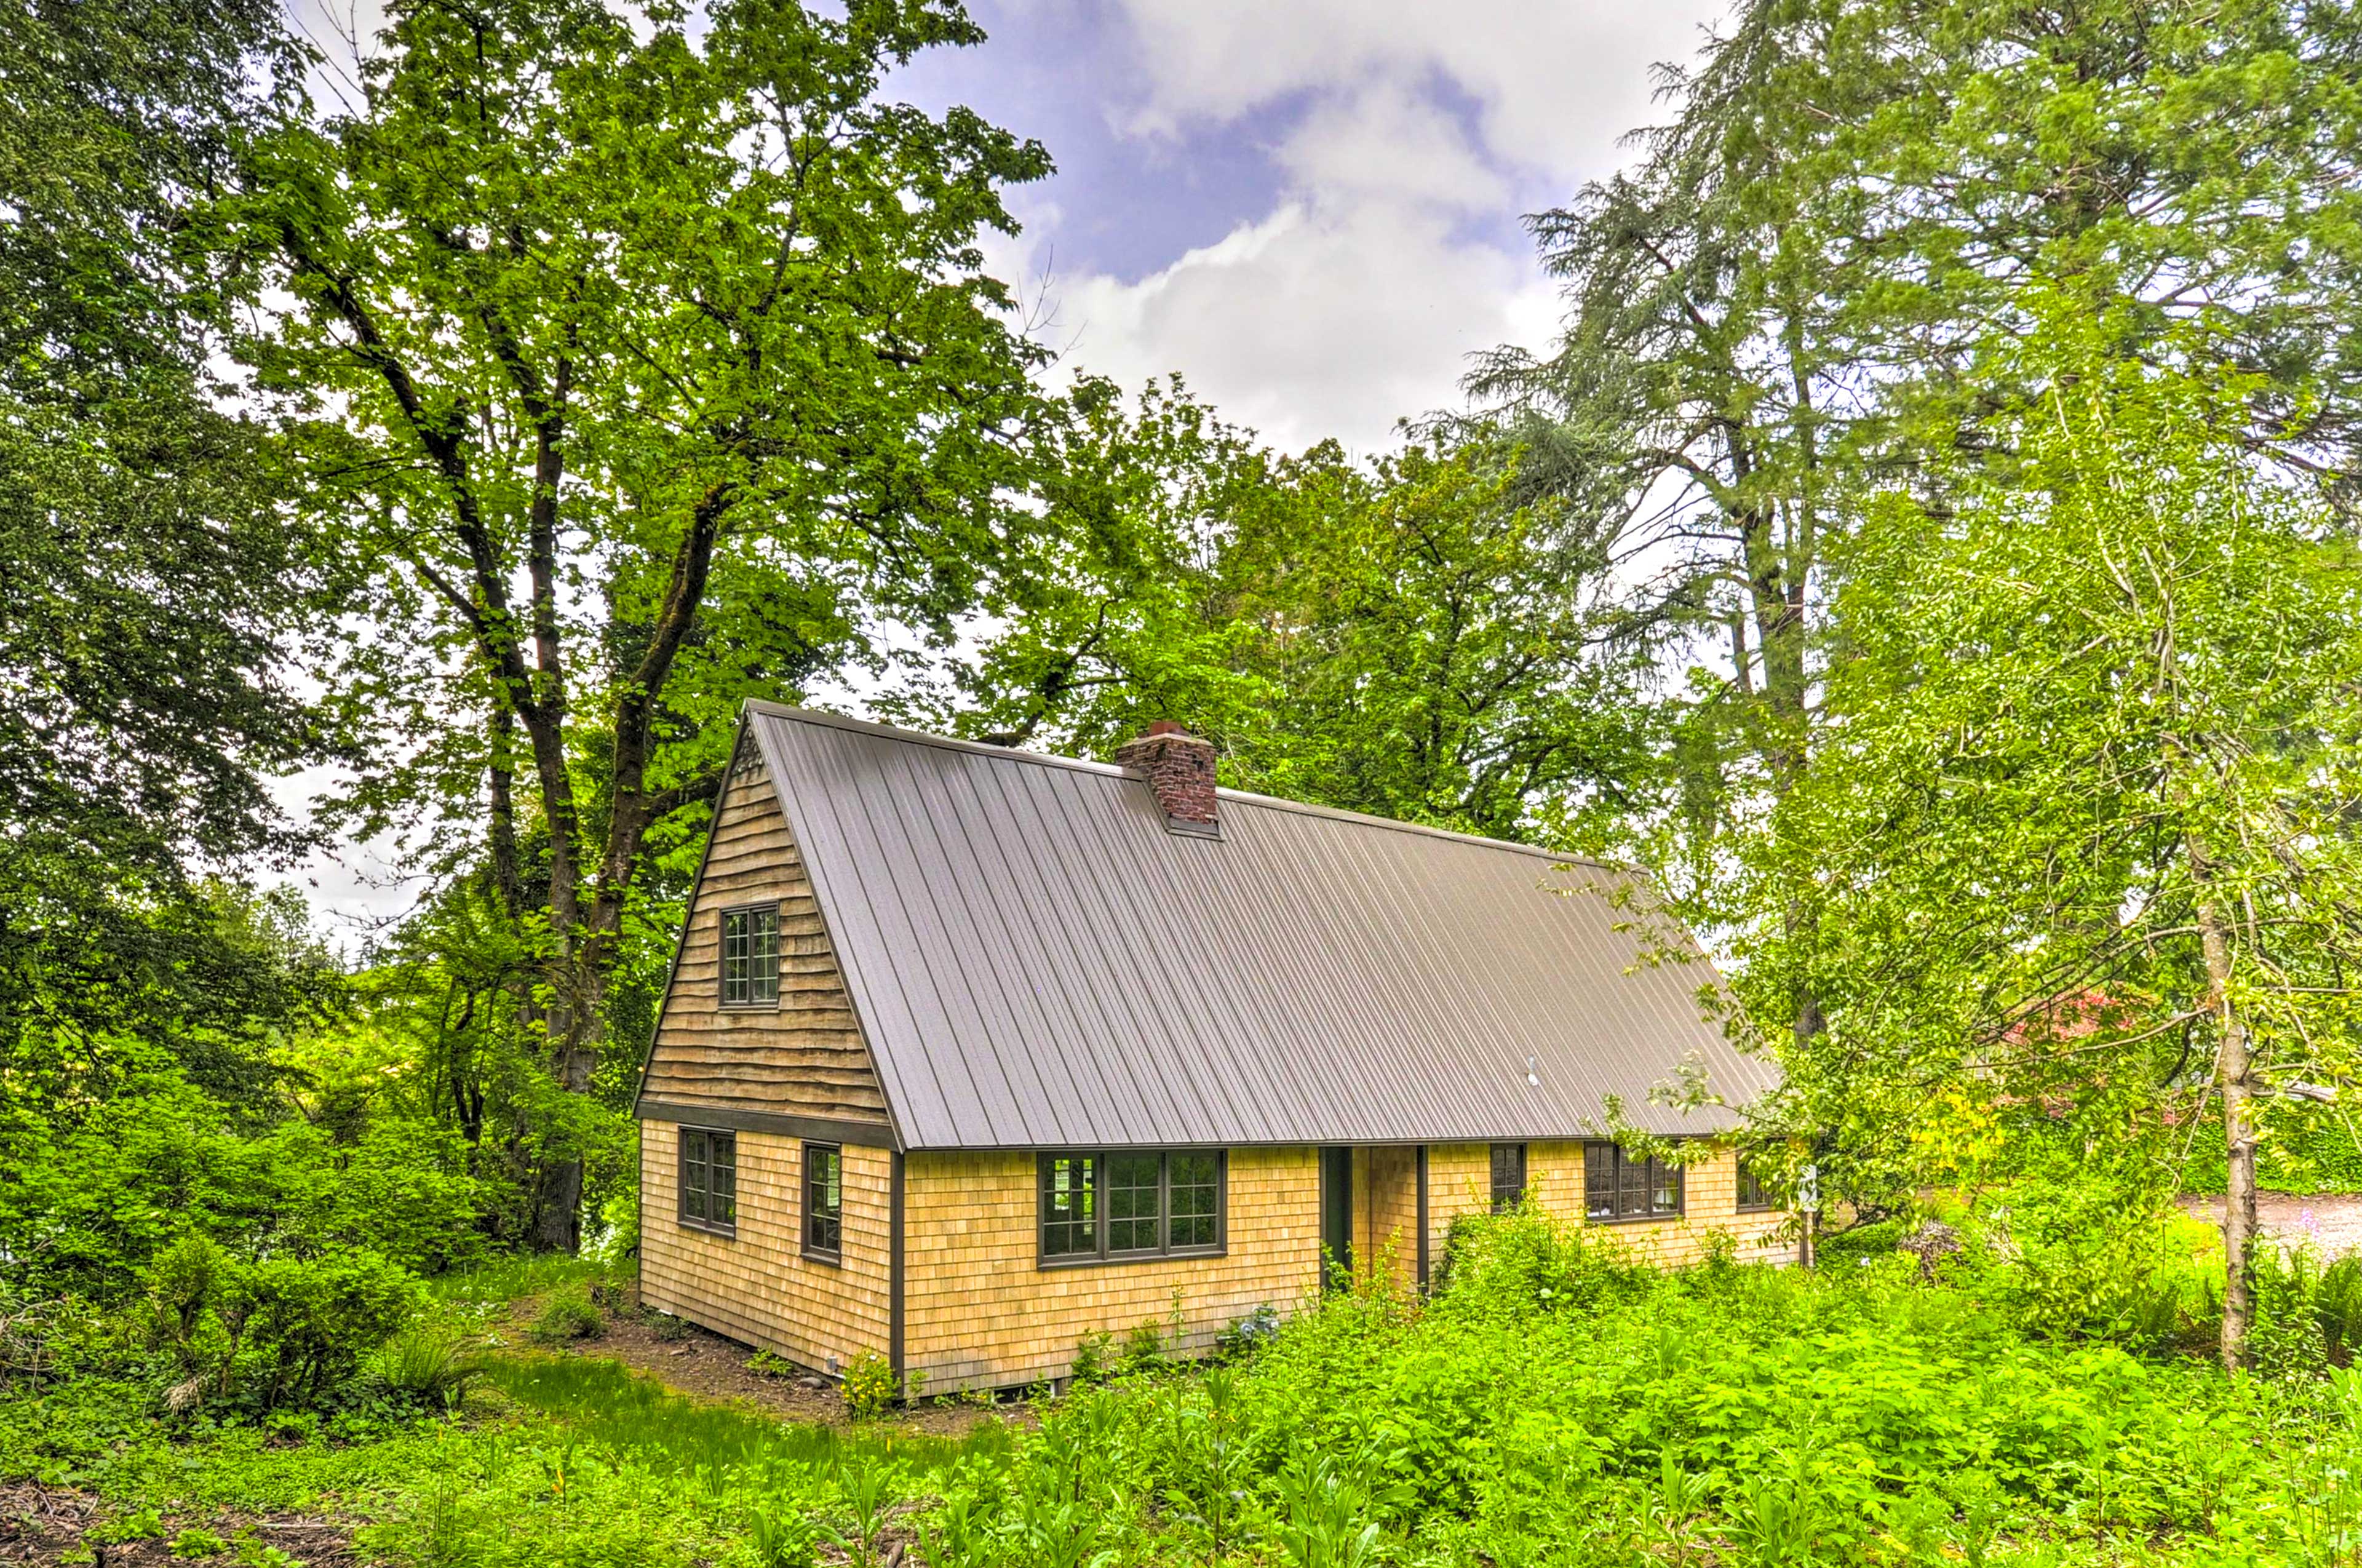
{"points": [[2234, 1078]]}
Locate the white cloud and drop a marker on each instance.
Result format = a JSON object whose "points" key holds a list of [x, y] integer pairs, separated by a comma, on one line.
{"points": [[1325, 318], [1410, 135], [1385, 141], [1556, 81]]}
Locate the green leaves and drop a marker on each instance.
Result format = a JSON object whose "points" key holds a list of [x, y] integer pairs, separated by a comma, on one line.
{"points": [[2071, 710], [1405, 638]]}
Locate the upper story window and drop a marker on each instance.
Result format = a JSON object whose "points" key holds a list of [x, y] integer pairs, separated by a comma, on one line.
{"points": [[824, 1201], [750, 956], [1508, 1177], [1618, 1187], [1752, 1192], [708, 1180], [1108, 1206]]}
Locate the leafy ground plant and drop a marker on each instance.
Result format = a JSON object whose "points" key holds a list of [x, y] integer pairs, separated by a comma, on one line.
{"points": [[567, 1316]]}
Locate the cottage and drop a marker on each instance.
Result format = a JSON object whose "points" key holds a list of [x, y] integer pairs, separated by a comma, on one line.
{"points": [[969, 1052]]}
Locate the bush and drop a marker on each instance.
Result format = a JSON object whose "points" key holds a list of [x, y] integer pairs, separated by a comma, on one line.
{"points": [[1504, 1266], [397, 1191], [2337, 1307], [311, 1321], [566, 1317], [868, 1386], [287, 1331], [1143, 1348], [1094, 1356]]}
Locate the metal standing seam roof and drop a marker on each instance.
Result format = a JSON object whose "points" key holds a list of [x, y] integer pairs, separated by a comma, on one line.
{"points": [[1037, 961]]}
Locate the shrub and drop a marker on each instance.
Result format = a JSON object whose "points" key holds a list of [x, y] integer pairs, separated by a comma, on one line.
{"points": [[617, 1236], [2337, 1307], [868, 1386], [1143, 1348], [1094, 1356], [565, 1317], [769, 1364], [397, 1191], [668, 1328], [285, 1331], [311, 1321], [1503, 1266]]}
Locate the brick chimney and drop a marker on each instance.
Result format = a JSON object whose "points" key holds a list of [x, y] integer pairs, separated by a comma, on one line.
{"points": [[1179, 769]]}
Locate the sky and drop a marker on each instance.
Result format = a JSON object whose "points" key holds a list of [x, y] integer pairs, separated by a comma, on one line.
{"points": [[1309, 209]]}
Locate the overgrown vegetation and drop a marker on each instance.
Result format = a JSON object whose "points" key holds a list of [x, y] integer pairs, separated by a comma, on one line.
{"points": [[1554, 1404]]}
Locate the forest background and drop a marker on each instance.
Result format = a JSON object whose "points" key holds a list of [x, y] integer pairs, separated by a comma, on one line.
{"points": [[1927, 548]]}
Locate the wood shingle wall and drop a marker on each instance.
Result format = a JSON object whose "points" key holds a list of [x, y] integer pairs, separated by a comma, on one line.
{"points": [[804, 1058], [1460, 1180], [757, 1287], [980, 1313]]}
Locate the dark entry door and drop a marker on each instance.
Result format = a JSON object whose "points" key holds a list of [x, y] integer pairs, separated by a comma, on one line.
{"points": [[1335, 1214]]}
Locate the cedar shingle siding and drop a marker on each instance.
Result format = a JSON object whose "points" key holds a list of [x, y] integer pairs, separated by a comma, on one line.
{"points": [[803, 1056]]}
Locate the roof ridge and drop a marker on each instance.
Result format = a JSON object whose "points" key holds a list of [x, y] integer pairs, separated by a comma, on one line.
{"points": [[768, 708]]}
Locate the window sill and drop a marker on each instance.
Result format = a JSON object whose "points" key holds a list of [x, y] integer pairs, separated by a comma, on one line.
{"points": [[822, 1255], [1114, 1260], [771, 1006], [727, 1232], [1760, 1209], [1635, 1218]]}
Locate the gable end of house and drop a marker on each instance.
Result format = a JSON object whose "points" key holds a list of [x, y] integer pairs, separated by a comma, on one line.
{"points": [[791, 1057]]}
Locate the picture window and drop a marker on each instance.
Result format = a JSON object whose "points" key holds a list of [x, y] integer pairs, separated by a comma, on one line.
{"points": [[1618, 1187], [1112, 1206]]}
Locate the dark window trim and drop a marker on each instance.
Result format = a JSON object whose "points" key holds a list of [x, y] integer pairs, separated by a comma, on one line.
{"points": [[1525, 1175], [729, 1229], [1764, 1204], [721, 960], [812, 1249], [1164, 1249], [1680, 1210]]}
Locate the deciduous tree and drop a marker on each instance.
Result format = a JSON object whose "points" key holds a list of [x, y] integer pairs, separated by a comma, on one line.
{"points": [[2082, 819], [655, 368]]}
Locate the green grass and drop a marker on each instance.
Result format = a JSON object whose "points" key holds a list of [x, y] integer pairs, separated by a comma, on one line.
{"points": [[512, 1278], [620, 1409]]}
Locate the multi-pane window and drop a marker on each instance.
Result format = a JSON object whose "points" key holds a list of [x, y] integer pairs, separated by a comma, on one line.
{"points": [[1136, 1202], [709, 1179], [1193, 1201], [1070, 1210], [750, 956], [1131, 1203], [825, 1201], [1618, 1187], [1508, 1177], [1752, 1192]]}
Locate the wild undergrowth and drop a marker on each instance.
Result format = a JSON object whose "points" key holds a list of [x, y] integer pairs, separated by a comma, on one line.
{"points": [[1551, 1405]]}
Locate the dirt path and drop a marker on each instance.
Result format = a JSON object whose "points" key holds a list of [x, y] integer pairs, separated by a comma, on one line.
{"points": [[2330, 1222], [47, 1524]]}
